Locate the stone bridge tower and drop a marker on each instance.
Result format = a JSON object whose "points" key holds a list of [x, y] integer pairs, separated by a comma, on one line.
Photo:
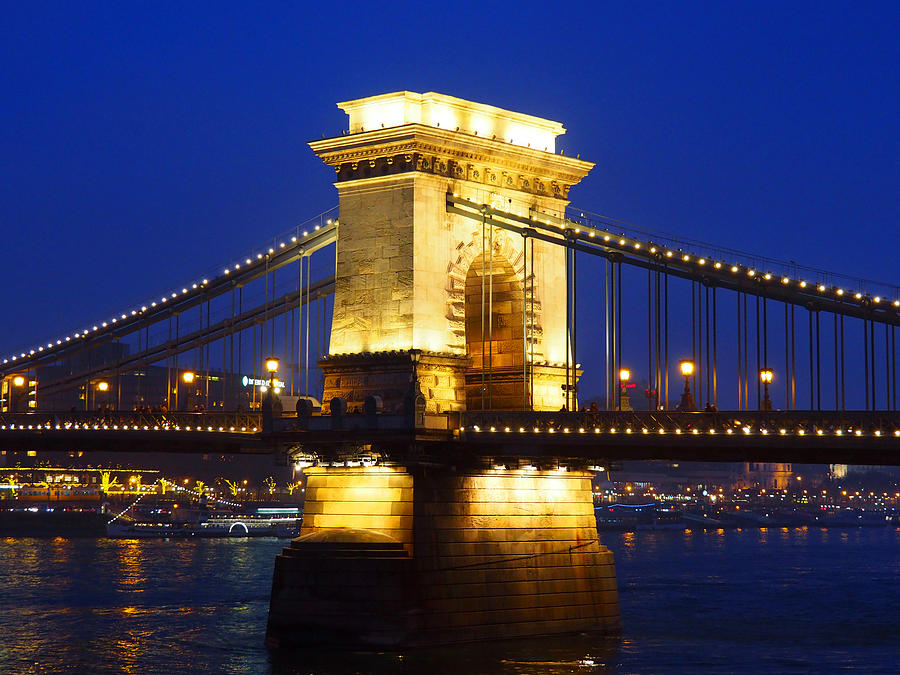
{"points": [[443, 547], [410, 286]]}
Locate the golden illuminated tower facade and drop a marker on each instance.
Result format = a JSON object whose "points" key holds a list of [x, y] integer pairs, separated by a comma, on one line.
{"points": [[410, 275]]}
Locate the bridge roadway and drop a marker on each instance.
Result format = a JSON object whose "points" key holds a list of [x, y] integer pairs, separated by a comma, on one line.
{"points": [[588, 438], [591, 438]]}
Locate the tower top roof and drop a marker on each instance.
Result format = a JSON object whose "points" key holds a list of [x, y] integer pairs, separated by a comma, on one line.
{"points": [[453, 114]]}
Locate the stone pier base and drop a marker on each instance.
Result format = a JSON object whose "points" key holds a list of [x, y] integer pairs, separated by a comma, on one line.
{"points": [[393, 557]]}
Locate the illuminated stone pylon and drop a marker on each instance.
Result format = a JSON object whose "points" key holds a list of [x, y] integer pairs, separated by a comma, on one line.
{"points": [[412, 278], [433, 548], [412, 556]]}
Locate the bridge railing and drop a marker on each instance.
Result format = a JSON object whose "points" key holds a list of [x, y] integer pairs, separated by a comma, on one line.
{"points": [[795, 422], [238, 422]]}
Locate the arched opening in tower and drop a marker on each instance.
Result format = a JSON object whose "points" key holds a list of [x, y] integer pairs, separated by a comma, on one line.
{"points": [[494, 335]]}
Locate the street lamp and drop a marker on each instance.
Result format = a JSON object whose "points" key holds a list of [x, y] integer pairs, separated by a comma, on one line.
{"points": [[624, 401], [687, 369], [18, 381], [103, 386], [766, 375], [188, 376], [272, 364]]}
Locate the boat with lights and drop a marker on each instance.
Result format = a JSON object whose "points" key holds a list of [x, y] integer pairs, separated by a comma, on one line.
{"points": [[274, 521]]}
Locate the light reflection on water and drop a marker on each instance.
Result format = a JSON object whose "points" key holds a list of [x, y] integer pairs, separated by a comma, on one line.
{"points": [[789, 600]]}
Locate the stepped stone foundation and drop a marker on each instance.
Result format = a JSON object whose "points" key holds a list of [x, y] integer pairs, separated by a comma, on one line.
{"points": [[393, 557]]}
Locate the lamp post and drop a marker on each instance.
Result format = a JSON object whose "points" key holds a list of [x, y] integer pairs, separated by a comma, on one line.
{"points": [[269, 411], [17, 382], [766, 374], [188, 378], [624, 401], [272, 364], [687, 369]]}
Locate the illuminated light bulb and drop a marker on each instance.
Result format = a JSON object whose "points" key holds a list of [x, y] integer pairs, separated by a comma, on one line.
{"points": [[702, 261], [802, 284], [767, 276], [104, 324], [685, 258], [493, 429], [734, 268], [627, 430], [612, 430], [859, 432], [840, 291], [194, 286], [819, 432], [695, 431], [839, 432], [272, 250], [184, 290], [785, 280], [677, 431], [782, 431], [281, 245], [591, 234], [305, 233], [165, 300], [801, 432], [821, 288], [661, 430], [750, 273], [878, 432], [712, 431], [606, 238], [718, 265], [596, 430], [896, 303], [294, 240], [877, 298], [227, 271], [174, 295]]}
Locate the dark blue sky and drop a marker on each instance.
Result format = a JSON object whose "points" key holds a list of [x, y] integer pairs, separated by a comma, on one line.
{"points": [[143, 144]]}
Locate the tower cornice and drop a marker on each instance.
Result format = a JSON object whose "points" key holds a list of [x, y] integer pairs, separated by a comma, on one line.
{"points": [[453, 154]]}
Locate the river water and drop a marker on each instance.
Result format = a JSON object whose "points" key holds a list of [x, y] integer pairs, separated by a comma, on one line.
{"points": [[775, 600]]}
